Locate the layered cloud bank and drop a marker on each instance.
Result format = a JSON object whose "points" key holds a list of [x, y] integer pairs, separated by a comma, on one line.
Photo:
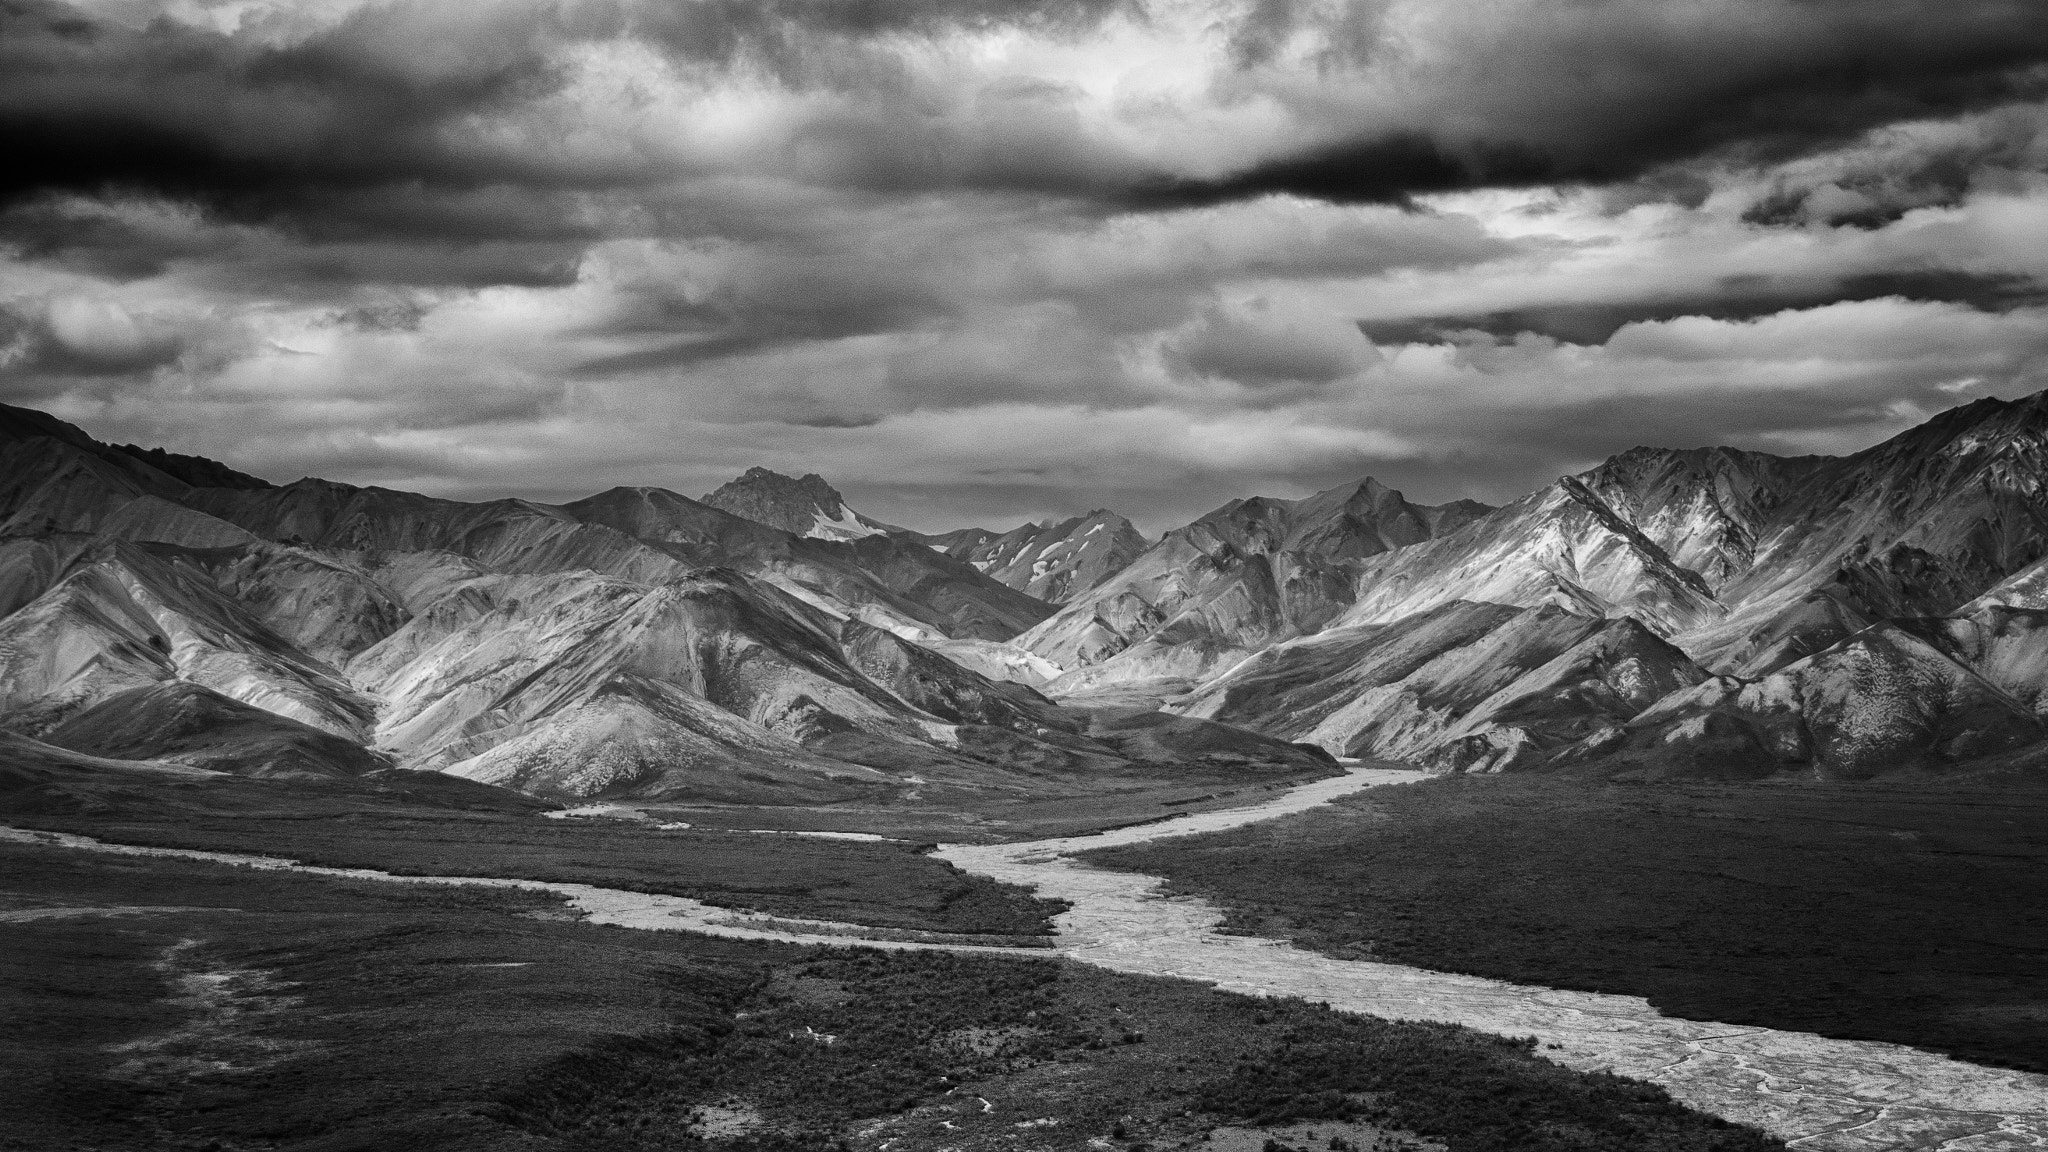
{"points": [[983, 261]]}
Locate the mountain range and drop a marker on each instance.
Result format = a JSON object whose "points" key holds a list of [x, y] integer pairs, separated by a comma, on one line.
{"points": [[1672, 612]]}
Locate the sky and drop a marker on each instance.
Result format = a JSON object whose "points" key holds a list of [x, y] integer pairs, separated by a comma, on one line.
{"points": [[983, 261]]}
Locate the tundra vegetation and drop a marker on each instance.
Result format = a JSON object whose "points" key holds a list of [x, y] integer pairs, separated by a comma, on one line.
{"points": [[172, 1004], [1911, 913]]}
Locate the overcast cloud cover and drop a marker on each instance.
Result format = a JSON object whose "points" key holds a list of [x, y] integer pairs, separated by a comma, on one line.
{"points": [[983, 260]]}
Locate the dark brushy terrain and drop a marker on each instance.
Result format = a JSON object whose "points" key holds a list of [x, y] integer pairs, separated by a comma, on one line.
{"points": [[271, 1010], [423, 824], [166, 1004], [990, 821], [1906, 913]]}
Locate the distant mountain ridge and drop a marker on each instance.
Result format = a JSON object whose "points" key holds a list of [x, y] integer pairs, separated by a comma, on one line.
{"points": [[1250, 573], [1053, 561], [635, 643], [1703, 612]]}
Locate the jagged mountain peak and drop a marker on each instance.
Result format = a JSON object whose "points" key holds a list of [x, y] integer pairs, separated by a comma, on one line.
{"points": [[805, 505], [1249, 573], [1354, 519]]}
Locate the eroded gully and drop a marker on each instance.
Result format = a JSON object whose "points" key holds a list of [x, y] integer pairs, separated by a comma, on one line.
{"points": [[1818, 1094]]}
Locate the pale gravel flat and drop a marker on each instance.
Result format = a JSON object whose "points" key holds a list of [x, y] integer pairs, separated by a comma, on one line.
{"points": [[1816, 1093]]}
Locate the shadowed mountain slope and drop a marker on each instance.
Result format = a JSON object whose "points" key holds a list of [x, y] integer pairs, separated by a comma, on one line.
{"points": [[43, 779], [1881, 701], [180, 722]]}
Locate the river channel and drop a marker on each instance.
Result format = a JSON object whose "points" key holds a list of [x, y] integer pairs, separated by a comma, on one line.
{"points": [[1818, 1094]]}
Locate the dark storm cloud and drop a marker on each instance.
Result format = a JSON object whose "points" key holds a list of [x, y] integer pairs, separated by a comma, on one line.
{"points": [[718, 30], [857, 420], [173, 108], [388, 101], [132, 239], [1871, 202], [375, 102], [1391, 169], [1934, 166], [1737, 298], [1599, 93], [1113, 254]]}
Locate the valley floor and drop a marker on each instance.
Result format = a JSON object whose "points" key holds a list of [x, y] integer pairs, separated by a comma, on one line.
{"points": [[164, 1003], [879, 884], [1911, 914]]}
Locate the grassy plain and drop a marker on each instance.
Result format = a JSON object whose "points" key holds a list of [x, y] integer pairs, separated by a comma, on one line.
{"points": [[1899, 912], [880, 884], [991, 821], [271, 1010], [423, 824], [169, 1004]]}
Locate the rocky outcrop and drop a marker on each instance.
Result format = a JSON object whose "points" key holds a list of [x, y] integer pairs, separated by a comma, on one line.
{"points": [[806, 506]]}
